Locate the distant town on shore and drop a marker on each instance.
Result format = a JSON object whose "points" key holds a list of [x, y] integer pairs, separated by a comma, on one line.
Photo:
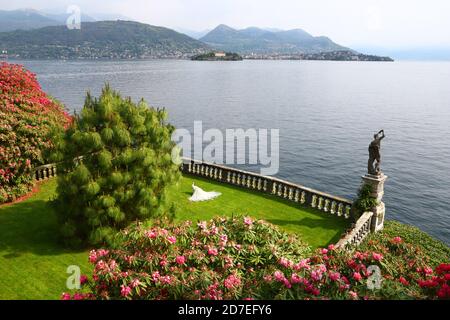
{"points": [[27, 35]]}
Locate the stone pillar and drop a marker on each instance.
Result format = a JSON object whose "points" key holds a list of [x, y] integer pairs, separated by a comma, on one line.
{"points": [[376, 182]]}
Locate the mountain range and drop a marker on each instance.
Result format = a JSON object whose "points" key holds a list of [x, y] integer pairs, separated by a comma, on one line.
{"points": [[32, 34], [100, 40], [28, 19], [263, 41]]}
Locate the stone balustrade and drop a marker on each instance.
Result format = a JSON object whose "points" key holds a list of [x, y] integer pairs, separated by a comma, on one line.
{"points": [[358, 233], [293, 192], [45, 172]]}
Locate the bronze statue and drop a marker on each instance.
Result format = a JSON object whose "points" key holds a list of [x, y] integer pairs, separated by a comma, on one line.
{"points": [[374, 154]]}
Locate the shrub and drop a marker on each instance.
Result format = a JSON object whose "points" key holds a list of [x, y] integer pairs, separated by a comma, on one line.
{"points": [[225, 258], [246, 259], [364, 202], [28, 119], [115, 167]]}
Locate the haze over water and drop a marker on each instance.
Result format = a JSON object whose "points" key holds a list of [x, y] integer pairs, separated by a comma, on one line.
{"points": [[327, 113]]}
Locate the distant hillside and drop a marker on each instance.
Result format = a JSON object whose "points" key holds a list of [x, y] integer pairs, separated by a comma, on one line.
{"points": [[263, 41], [100, 40], [27, 19]]}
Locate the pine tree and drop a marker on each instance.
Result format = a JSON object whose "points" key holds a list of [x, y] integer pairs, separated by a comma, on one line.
{"points": [[115, 168]]}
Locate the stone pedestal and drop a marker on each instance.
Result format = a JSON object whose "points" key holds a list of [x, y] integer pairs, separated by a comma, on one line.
{"points": [[376, 182]]}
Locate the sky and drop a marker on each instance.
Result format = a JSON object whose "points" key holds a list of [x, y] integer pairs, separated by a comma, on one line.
{"points": [[393, 24]]}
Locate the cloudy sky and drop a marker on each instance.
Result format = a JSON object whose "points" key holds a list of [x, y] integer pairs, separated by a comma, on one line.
{"points": [[357, 23]]}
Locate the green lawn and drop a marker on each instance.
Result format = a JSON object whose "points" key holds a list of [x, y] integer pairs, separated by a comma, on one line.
{"points": [[316, 228], [33, 264]]}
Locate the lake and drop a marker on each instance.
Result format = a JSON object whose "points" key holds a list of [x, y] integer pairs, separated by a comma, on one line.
{"points": [[327, 113]]}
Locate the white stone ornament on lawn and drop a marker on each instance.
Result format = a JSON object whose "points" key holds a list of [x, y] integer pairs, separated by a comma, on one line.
{"points": [[201, 195]]}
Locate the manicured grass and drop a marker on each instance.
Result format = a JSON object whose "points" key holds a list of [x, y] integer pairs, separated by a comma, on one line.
{"points": [[316, 228], [33, 263]]}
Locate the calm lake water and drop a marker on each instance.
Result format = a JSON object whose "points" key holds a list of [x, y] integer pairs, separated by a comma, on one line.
{"points": [[327, 113]]}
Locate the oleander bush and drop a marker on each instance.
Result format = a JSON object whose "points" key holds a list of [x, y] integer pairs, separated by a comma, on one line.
{"points": [[28, 120], [115, 168], [239, 258]]}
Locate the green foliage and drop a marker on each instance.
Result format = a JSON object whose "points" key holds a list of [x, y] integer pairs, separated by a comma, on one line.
{"points": [[28, 120], [364, 202], [121, 171], [436, 251]]}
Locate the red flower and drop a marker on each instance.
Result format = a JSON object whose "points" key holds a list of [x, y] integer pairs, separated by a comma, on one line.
{"points": [[357, 276]]}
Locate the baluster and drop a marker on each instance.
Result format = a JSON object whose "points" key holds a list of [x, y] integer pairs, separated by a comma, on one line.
{"points": [[333, 207], [291, 193], [340, 209], [228, 176], [347, 212], [327, 205], [320, 206], [274, 188], [303, 197], [265, 185], [259, 184], [313, 201]]}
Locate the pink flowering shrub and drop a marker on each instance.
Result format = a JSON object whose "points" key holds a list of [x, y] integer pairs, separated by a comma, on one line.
{"points": [[220, 259], [27, 117], [246, 259]]}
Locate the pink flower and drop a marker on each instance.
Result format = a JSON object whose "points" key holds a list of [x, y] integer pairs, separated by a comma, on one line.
{"points": [[248, 221], [331, 247], [125, 290], [427, 270], [324, 251], [66, 296], [166, 279], [151, 234], [397, 240], [295, 278], [377, 256], [135, 283], [232, 281], [315, 291], [92, 256], [353, 294], [303, 264], [287, 284], [285, 262], [202, 225], [155, 276], [163, 263], [78, 296], [334, 276], [212, 251], [279, 276], [83, 279], [403, 281], [357, 276], [172, 239], [180, 260]]}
